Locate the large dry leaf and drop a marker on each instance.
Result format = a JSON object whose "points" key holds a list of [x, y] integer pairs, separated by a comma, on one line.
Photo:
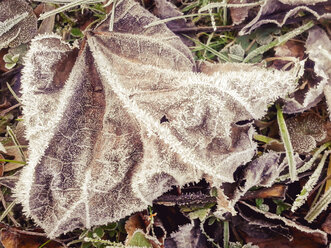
{"points": [[130, 120]]}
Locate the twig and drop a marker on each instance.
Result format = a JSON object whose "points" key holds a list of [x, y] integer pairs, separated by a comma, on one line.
{"points": [[2, 113]]}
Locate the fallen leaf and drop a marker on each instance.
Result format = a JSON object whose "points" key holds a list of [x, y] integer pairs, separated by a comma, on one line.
{"points": [[187, 236], [12, 239], [318, 48], [98, 148], [326, 227], [47, 25], [18, 23], [262, 171], [276, 12], [258, 228], [298, 236], [238, 15], [290, 49], [9, 181], [276, 191], [305, 131]]}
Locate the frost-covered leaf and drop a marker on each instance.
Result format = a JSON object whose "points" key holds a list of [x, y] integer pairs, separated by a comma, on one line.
{"points": [[113, 126], [305, 131], [18, 24], [276, 12], [187, 236], [238, 15], [279, 224], [318, 47], [262, 171]]}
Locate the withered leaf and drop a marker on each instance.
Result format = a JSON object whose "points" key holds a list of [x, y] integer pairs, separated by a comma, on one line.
{"points": [[130, 120], [18, 24], [305, 132], [278, 12], [298, 235], [318, 48]]}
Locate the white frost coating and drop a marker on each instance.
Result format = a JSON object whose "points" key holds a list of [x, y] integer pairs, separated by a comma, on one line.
{"points": [[84, 200], [44, 127], [320, 206], [290, 223], [310, 184], [7, 25], [129, 120]]}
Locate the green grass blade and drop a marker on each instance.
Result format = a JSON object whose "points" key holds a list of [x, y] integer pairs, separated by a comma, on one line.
{"points": [[278, 41], [8, 209], [17, 144], [213, 51], [263, 138], [66, 7], [308, 164], [287, 144], [13, 93], [172, 19], [320, 206], [226, 234], [310, 184], [12, 161], [229, 5]]}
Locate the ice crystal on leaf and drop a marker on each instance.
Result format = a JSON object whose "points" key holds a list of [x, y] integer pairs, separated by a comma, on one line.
{"points": [[98, 148], [18, 23]]}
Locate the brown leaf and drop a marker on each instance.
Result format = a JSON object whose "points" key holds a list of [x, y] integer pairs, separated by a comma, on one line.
{"points": [[147, 227], [130, 120], [47, 25], [298, 235], [238, 15], [318, 47], [21, 32], [276, 12], [326, 227], [276, 191], [290, 49], [11, 239], [305, 131]]}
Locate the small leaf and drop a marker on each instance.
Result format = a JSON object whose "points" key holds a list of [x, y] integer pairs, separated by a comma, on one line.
{"points": [[7, 58], [200, 213], [99, 232], [259, 202], [139, 240], [76, 32], [10, 65], [281, 206], [15, 58]]}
